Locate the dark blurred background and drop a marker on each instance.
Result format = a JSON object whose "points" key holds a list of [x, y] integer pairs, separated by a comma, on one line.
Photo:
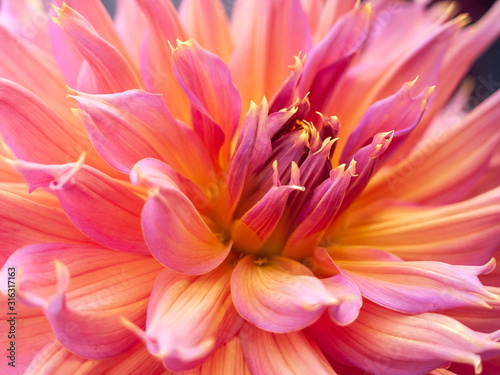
{"points": [[486, 69]]}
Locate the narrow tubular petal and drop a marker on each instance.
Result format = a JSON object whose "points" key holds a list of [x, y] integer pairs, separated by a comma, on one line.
{"points": [[32, 129], [176, 233], [400, 112], [318, 213], [326, 63], [285, 95], [462, 233], [382, 341], [170, 316], [215, 101], [105, 70], [164, 28], [206, 21], [24, 222], [278, 294], [416, 287], [55, 359], [257, 224], [129, 126], [98, 205], [470, 143], [228, 359], [261, 55], [85, 313], [292, 353]]}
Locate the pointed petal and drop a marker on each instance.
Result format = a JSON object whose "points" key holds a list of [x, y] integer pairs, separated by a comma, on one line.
{"points": [[206, 21], [133, 125], [176, 233], [55, 359], [32, 129], [215, 101], [470, 143], [252, 230], [326, 63], [98, 205], [24, 222], [130, 24], [261, 55], [164, 27], [171, 315], [228, 359], [105, 70], [318, 213], [85, 314], [270, 353], [392, 343], [285, 95], [461, 233], [278, 294], [416, 287], [400, 112]]}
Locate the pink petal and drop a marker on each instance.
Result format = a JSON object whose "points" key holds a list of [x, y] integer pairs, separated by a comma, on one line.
{"points": [[400, 112], [176, 233], [55, 359], [285, 95], [228, 359], [278, 294], [86, 313], [130, 23], [317, 214], [416, 287], [327, 62], [215, 101], [469, 143], [24, 222], [292, 353], [98, 205], [133, 125], [156, 55], [252, 230], [105, 70], [462, 233], [345, 290], [32, 129], [171, 315], [261, 55], [409, 344], [206, 21]]}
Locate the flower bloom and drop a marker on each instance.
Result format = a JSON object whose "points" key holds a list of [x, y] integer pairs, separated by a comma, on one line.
{"points": [[299, 190]]}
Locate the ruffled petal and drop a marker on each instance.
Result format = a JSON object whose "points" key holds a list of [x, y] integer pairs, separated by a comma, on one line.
{"points": [[292, 353], [278, 294], [206, 21], [170, 315], [392, 343], [462, 233], [55, 359], [84, 303], [24, 222], [261, 55], [102, 208], [228, 359], [129, 126], [215, 101], [164, 28], [177, 234], [105, 70]]}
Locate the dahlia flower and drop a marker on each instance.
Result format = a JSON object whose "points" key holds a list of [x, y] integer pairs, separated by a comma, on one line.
{"points": [[301, 189]]}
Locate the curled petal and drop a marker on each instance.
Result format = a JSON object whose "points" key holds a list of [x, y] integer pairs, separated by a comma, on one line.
{"points": [[85, 315], [170, 315], [105, 70], [270, 353], [347, 293], [392, 343], [98, 205], [176, 233], [278, 294]]}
